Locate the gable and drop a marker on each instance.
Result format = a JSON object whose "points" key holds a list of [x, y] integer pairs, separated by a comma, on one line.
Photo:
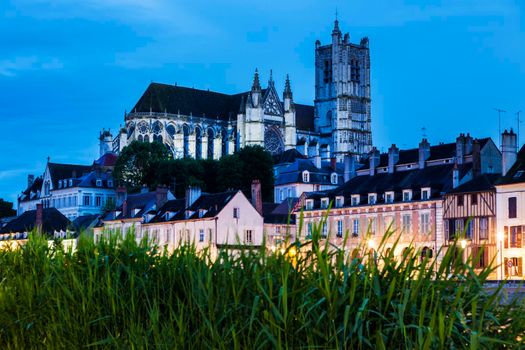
{"points": [[271, 103]]}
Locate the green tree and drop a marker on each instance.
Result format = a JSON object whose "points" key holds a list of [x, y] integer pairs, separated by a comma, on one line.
{"points": [[6, 209], [138, 163], [257, 163]]}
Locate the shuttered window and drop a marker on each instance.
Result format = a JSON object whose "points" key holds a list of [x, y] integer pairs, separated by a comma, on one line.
{"points": [[513, 208]]}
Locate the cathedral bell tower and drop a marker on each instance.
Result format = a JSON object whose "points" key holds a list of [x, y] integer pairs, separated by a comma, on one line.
{"points": [[254, 117], [290, 131], [342, 95]]}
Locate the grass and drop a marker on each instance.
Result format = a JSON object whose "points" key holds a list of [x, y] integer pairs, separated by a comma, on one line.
{"points": [[121, 294]]}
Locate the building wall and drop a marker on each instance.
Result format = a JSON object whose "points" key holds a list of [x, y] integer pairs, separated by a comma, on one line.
{"points": [[509, 251]]}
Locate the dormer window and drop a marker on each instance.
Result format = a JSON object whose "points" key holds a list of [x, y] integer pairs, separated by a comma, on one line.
{"points": [[110, 183], [372, 198], [334, 178], [425, 193], [59, 183], [355, 199], [339, 201], [188, 214], [389, 197], [70, 182], [324, 203], [168, 215], [99, 183], [306, 176], [309, 204], [136, 211], [201, 213], [407, 195]]}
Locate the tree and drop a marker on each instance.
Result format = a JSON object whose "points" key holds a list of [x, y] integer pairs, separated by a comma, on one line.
{"points": [[138, 162], [257, 163], [6, 209]]}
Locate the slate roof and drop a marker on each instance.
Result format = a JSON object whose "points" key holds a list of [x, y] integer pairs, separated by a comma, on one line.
{"points": [[484, 182], [288, 156], [84, 222], [274, 213], [173, 99], [516, 173], [438, 178], [52, 219], [293, 173], [206, 206], [66, 171], [34, 188], [174, 206]]}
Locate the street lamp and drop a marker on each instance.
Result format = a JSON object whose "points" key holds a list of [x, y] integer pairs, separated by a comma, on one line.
{"points": [[463, 243], [500, 236]]}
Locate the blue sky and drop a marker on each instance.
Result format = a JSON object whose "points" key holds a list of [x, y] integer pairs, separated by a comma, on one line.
{"points": [[70, 68]]}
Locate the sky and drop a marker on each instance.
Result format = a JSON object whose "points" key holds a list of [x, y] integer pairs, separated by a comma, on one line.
{"points": [[70, 68]]}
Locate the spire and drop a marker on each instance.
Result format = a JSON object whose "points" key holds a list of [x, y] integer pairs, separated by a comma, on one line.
{"points": [[336, 25], [270, 81], [256, 85], [287, 88]]}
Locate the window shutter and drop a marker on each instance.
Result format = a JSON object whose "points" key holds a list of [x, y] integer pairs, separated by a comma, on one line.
{"points": [[506, 236]]}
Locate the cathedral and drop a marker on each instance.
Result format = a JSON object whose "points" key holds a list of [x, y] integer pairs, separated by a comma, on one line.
{"points": [[205, 124]]}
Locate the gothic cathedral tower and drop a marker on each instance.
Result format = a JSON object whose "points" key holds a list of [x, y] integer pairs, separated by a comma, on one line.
{"points": [[342, 95]]}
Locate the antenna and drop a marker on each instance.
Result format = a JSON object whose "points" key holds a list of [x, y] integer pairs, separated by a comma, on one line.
{"points": [[499, 110], [424, 132], [518, 120]]}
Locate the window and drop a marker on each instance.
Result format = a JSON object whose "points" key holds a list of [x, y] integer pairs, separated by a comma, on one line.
{"points": [[513, 236], [324, 203], [248, 237], [406, 223], [372, 225], [236, 213], [86, 200], [461, 200], [98, 201], [372, 198], [425, 194], [339, 228], [201, 235], [334, 178], [309, 229], [356, 226], [339, 201], [309, 204], [59, 183], [324, 234], [70, 182], [389, 197], [390, 223], [407, 195], [306, 176], [450, 229], [290, 193], [110, 183], [474, 199], [480, 254], [513, 266], [424, 223], [470, 229], [355, 200], [512, 208], [483, 228], [99, 183]]}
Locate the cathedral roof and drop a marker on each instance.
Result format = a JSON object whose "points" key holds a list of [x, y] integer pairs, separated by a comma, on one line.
{"points": [[173, 99], [160, 98]]}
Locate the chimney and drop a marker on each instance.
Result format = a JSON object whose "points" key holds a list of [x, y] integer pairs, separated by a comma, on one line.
{"points": [[509, 144], [373, 160], [424, 152], [257, 196], [122, 195], [39, 217], [333, 163], [30, 180], [455, 176], [468, 144], [393, 158], [460, 148], [192, 194], [349, 167], [161, 195], [476, 158]]}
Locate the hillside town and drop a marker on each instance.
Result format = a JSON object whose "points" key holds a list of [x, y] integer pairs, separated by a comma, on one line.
{"points": [[327, 173]]}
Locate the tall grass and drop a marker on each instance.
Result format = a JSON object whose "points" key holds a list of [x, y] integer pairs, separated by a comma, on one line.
{"points": [[121, 294]]}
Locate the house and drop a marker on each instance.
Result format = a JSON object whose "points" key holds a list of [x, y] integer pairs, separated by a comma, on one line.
{"points": [[510, 209]]}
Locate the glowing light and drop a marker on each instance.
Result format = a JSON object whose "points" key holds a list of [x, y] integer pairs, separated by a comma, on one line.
{"points": [[463, 243], [500, 236], [292, 252], [283, 250], [371, 243]]}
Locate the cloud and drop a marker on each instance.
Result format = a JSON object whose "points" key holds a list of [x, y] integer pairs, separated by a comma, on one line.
{"points": [[11, 67]]}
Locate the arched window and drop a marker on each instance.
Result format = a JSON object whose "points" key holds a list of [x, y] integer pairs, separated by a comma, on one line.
{"points": [[140, 138], [211, 137], [146, 138], [171, 130], [186, 131], [224, 136], [159, 139], [426, 252], [306, 176], [198, 143]]}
